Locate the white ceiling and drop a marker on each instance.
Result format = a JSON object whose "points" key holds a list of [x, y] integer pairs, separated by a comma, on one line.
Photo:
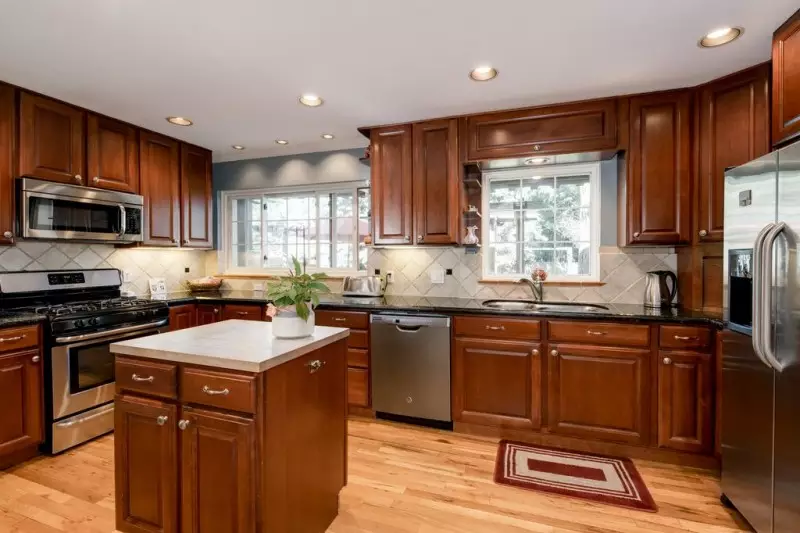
{"points": [[237, 67]]}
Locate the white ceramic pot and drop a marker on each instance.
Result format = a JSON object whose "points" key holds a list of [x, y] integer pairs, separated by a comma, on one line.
{"points": [[287, 325]]}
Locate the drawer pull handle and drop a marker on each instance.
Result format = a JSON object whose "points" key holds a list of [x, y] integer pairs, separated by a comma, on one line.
{"points": [[211, 392], [12, 339], [161, 420], [496, 328], [598, 333], [183, 424], [315, 365], [241, 313], [140, 379], [339, 319], [682, 338]]}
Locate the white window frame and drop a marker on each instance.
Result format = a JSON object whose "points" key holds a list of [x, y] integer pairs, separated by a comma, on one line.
{"points": [[593, 170], [226, 218]]}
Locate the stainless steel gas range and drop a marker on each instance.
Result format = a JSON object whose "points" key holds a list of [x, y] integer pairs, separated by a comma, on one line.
{"points": [[85, 314]]}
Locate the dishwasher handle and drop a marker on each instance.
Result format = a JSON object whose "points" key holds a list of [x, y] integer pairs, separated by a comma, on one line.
{"points": [[411, 323]]}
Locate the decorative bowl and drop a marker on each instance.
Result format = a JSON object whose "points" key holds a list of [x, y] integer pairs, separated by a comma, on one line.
{"points": [[204, 284]]}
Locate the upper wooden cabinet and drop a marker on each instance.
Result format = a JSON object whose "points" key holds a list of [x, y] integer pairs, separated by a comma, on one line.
{"points": [[733, 129], [8, 134], [786, 80], [112, 153], [580, 127], [437, 182], [657, 180], [391, 184], [51, 140], [160, 168], [196, 197]]}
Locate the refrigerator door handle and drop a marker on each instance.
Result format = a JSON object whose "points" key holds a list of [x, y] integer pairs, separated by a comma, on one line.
{"points": [[765, 311], [758, 254]]}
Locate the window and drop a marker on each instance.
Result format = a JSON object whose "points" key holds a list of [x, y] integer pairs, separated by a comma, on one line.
{"points": [[323, 227], [547, 217]]}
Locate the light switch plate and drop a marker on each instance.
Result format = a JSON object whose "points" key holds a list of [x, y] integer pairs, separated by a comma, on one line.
{"points": [[437, 276]]}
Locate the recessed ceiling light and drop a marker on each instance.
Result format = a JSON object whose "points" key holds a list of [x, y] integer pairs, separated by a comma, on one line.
{"points": [[179, 121], [536, 161], [327, 136], [311, 100], [719, 37], [282, 141], [484, 73], [238, 147]]}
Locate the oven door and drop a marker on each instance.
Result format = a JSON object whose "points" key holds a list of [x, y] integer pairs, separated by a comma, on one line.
{"points": [[83, 371]]}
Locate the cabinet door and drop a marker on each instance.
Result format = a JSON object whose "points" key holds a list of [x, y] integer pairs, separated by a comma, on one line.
{"points": [[195, 197], [658, 169], [497, 383], [391, 185], [734, 129], [786, 80], [684, 401], [182, 317], [51, 140], [599, 392], [160, 184], [21, 398], [437, 182], [218, 472], [112, 153], [146, 465], [208, 314], [242, 312], [358, 387], [8, 135]]}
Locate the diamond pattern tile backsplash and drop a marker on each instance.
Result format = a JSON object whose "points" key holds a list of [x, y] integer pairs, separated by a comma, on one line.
{"points": [[141, 264]]}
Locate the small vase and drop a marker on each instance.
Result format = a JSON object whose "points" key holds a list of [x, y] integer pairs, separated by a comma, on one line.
{"points": [[287, 325], [471, 238]]}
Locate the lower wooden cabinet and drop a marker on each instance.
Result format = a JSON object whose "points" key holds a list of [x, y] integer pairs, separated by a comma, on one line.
{"points": [[358, 387], [685, 398], [358, 353], [497, 382], [599, 392], [242, 312], [182, 317], [208, 314], [21, 398]]}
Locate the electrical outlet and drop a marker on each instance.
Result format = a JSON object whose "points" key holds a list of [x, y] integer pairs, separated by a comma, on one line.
{"points": [[127, 277], [437, 276], [390, 276]]}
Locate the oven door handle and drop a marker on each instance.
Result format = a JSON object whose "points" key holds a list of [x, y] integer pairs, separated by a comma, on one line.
{"points": [[111, 333]]}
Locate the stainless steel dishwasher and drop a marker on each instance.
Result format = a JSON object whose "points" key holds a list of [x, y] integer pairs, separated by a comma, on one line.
{"points": [[411, 366]]}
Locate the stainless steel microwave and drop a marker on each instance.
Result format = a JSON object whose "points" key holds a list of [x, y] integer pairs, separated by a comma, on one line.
{"points": [[49, 210]]}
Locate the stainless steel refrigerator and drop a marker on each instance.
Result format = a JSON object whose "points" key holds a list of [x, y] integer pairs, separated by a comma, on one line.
{"points": [[761, 354]]}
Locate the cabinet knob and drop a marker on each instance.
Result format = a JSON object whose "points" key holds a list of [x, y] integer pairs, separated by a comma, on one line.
{"points": [[78, 178], [96, 179], [420, 238], [406, 238], [35, 359], [535, 147], [636, 234], [161, 420], [535, 352], [703, 233], [554, 353], [667, 361], [8, 234], [183, 424], [216, 310], [186, 241]]}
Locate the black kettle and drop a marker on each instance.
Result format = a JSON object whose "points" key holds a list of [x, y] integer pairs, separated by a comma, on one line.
{"points": [[657, 292]]}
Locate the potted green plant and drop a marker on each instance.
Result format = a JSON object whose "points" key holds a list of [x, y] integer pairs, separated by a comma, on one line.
{"points": [[293, 299]]}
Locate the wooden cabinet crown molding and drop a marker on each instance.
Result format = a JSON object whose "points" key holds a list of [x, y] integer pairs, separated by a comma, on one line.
{"points": [[786, 81]]}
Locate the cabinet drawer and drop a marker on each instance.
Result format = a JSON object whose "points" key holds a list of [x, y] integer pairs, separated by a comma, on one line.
{"points": [[148, 377], [236, 392], [242, 312], [358, 357], [599, 333], [13, 339], [358, 338], [343, 319], [684, 338], [497, 327], [358, 387]]}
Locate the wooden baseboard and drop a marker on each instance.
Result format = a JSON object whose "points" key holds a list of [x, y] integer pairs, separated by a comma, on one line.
{"points": [[17, 457], [708, 462]]}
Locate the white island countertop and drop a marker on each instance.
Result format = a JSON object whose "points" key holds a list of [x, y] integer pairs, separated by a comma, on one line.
{"points": [[233, 344]]}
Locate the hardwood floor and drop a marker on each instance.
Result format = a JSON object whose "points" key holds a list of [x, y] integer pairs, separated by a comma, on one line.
{"points": [[402, 480]]}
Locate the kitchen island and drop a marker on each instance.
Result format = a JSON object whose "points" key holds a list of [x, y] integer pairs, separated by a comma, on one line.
{"points": [[224, 428]]}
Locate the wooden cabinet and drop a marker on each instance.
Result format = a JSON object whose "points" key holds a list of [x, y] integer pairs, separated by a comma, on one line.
{"points": [[391, 185], [358, 387], [112, 153], [8, 135], [217, 458], [196, 197], [657, 180], [437, 182], [685, 398], [497, 382], [208, 313], [242, 312], [182, 317], [733, 129], [159, 166], [21, 398], [786, 80], [146, 465], [358, 355], [589, 126], [599, 392], [51, 140]]}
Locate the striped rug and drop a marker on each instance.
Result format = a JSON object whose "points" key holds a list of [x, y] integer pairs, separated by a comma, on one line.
{"points": [[598, 478]]}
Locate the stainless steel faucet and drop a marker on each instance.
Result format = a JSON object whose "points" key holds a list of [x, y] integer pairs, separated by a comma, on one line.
{"points": [[536, 288]]}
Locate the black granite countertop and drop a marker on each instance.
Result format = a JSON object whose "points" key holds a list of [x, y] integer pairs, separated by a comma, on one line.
{"points": [[23, 318], [418, 304]]}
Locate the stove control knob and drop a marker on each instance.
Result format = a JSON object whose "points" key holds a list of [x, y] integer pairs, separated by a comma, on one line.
{"points": [[78, 323], [92, 321], [154, 312]]}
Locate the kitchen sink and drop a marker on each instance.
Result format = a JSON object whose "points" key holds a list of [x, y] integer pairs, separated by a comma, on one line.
{"points": [[530, 305]]}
